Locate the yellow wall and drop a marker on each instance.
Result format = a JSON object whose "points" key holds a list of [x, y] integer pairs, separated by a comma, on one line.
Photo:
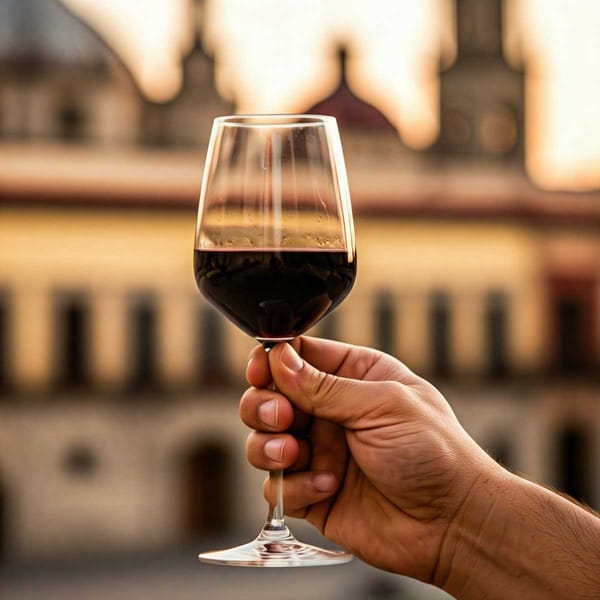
{"points": [[112, 254]]}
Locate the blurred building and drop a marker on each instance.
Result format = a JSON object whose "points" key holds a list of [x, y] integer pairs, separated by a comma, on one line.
{"points": [[118, 419]]}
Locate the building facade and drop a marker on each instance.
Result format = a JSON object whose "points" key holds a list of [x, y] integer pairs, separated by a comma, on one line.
{"points": [[118, 420]]}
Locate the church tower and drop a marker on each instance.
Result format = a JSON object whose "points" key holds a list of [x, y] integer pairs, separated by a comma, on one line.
{"points": [[186, 120], [481, 96]]}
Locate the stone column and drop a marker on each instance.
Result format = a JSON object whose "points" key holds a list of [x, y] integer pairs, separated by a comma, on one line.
{"points": [[413, 339], [355, 319], [177, 328], [109, 339], [529, 329], [32, 331], [467, 333]]}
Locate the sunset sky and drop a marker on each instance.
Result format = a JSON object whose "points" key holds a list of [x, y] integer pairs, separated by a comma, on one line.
{"points": [[271, 56]]}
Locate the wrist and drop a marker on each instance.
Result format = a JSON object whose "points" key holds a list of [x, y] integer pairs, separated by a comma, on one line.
{"points": [[473, 528], [515, 538]]}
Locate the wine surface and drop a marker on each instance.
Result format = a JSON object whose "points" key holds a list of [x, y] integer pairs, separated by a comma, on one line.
{"points": [[274, 294]]}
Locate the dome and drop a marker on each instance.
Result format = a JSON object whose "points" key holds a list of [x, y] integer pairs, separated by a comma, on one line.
{"points": [[46, 32], [349, 110]]}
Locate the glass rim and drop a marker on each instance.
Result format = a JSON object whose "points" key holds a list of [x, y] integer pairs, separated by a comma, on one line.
{"points": [[270, 121]]}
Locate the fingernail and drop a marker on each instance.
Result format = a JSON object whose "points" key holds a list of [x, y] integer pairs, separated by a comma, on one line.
{"points": [[273, 450], [323, 482], [290, 359], [268, 413]]}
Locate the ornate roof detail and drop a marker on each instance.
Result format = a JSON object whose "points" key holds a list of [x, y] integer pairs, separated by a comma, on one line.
{"points": [[45, 32], [350, 110]]}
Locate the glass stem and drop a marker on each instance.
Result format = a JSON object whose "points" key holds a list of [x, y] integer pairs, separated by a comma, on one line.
{"points": [[275, 518]]}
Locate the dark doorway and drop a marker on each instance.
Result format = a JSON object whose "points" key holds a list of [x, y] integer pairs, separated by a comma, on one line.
{"points": [[574, 468], [207, 490]]}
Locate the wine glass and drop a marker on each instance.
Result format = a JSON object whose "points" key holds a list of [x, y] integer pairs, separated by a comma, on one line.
{"points": [[275, 252]]}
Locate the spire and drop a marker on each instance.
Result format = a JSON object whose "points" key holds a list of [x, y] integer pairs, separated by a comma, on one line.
{"points": [[342, 56]]}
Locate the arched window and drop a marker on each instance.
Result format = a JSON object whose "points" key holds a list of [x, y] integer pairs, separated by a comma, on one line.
{"points": [[207, 489], [574, 463]]}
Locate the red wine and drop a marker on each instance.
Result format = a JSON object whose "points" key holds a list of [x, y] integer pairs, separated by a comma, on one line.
{"points": [[274, 294]]}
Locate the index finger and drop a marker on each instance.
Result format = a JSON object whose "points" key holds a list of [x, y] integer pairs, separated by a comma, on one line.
{"points": [[258, 371]]}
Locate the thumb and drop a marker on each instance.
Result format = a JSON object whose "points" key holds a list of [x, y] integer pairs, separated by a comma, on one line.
{"points": [[352, 403]]}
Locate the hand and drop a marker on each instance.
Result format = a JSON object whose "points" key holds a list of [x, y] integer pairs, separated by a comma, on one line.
{"points": [[374, 456]]}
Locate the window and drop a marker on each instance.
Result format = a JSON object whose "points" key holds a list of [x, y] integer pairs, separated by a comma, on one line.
{"points": [[70, 119], [73, 340], [573, 451], [80, 461], [439, 319], [570, 343], [385, 323], [143, 348], [213, 360], [496, 320], [573, 304]]}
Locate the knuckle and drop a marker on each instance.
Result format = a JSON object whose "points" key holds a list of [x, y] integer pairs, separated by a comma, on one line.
{"points": [[323, 384]]}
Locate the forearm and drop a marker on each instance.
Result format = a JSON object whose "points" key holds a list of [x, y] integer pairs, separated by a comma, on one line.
{"points": [[515, 539]]}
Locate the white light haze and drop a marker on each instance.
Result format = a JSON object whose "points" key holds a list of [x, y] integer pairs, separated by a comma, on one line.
{"points": [[270, 58]]}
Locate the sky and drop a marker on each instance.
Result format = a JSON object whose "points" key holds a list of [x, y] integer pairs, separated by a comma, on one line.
{"points": [[270, 58]]}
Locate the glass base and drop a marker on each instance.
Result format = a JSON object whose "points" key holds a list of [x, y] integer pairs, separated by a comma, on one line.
{"points": [[276, 548]]}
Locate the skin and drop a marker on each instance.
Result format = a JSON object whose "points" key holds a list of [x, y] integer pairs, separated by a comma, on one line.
{"points": [[388, 438], [377, 461]]}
